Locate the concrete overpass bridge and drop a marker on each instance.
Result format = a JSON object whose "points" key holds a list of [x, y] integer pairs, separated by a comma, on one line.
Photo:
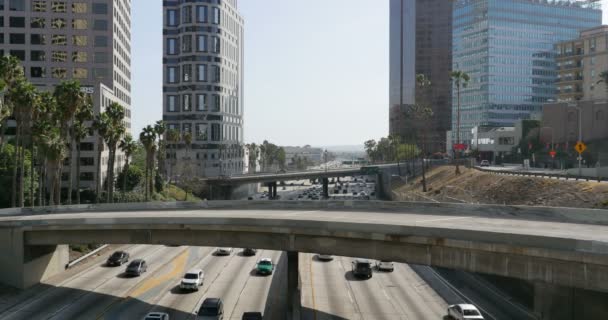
{"points": [[224, 185], [559, 249]]}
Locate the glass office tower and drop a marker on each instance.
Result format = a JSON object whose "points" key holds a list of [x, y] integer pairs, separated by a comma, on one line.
{"points": [[507, 48], [420, 43]]}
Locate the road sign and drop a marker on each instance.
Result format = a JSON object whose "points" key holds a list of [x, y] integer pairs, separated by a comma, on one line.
{"points": [[580, 147], [552, 153], [370, 170], [460, 146]]}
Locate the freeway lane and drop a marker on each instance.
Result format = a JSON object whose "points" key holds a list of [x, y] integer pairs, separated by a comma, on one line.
{"points": [[330, 292]]}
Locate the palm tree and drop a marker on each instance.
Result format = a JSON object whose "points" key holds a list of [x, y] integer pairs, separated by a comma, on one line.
{"points": [[54, 147], [161, 128], [43, 123], [116, 115], [70, 100], [460, 80], [128, 147], [148, 138], [173, 139], [188, 142], [24, 96], [11, 73], [80, 130], [101, 124], [422, 113]]}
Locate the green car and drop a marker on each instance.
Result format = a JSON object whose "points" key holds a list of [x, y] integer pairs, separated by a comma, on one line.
{"points": [[265, 266]]}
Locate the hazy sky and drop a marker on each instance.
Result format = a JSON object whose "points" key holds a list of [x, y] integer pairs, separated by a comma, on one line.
{"points": [[316, 71]]}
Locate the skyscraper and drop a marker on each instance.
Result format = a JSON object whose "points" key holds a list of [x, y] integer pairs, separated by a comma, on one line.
{"points": [[203, 85], [507, 48], [420, 43], [84, 40]]}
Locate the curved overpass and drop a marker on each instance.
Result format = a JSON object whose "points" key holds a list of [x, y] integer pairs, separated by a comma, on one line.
{"points": [[484, 239]]}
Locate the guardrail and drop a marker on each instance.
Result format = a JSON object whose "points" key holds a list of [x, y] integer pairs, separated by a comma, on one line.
{"points": [[541, 175]]}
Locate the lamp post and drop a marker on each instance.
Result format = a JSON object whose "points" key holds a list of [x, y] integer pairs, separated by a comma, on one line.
{"points": [[552, 143], [325, 159], [580, 136]]}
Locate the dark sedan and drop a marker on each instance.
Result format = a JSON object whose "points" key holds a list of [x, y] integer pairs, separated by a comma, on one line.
{"points": [[118, 258]]}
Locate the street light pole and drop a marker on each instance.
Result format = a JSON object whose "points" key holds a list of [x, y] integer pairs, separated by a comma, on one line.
{"points": [[552, 143], [580, 137]]}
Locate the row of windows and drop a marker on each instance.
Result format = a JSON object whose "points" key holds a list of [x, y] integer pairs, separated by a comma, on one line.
{"points": [[211, 132], [202, 103], [59, 56], [55, 6], [187, 44], [201, 15], [187, 73], [56, 40], [56, 23]]}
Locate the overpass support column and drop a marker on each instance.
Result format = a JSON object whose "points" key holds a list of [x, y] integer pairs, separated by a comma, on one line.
{"points": [[274, 190], [326, 188], [293, 288], [23, 266]]}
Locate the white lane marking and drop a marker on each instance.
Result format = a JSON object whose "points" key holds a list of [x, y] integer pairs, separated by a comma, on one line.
{"points": [[444, 219]]}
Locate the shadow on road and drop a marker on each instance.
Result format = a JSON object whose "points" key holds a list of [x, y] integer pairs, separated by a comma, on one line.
{"points": [[42, 300], [350, 276], [311, 314]]}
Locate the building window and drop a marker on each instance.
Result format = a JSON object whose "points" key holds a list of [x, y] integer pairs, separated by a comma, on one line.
{"points": [[171, 46], [58, 23], [79, 56], [79, 7], [187, 102], [201, 132], [59, 40], [187, 128], [201, 104], [172, 18], [59, 73], [87, 176], [215, 73], [216, 45], [172, 103], [37, 55], [80, 41], [202, 43], [599, 115], [101, 57], [172, 74], [216, 103], [187, 43], [19, 54], [38, 23], [101, 41], [202, 73], [59, 7], [59, 56], [80, 24], [201, 14], [87, 162], [216, 134], [38, 72], [100, 25], [17, 38], [39, 5], [16, 22], [187, 14], [87, 146], [100, 8], [187, 73], [100, 73], [80, 73], [37, 39], [16, 5], [216, 15]]}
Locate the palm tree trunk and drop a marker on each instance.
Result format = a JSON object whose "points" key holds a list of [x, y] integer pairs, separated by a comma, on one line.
{"points": [[458, 129], [108, 174], [2, 133], [22, 173], [98, 171], [78, 172], [58, 181], [124, 179], [42, 186], [70, 175], [15, 166], [146, 176], [52, 184], [32, 178]]}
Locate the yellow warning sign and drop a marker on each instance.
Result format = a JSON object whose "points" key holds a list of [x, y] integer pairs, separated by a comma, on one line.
{"points": [[580, 147]]}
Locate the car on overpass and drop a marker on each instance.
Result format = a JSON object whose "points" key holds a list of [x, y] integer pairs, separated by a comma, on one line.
{"points": [[252, 316], [385, 266], [265, 266], [157, 316], [118, 258], [223, 251], [484, 163], [464, 312], [248, 252], [325, 257]]}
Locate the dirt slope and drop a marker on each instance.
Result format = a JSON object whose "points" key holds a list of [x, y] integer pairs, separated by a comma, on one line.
{"points": [[479, 187]]}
